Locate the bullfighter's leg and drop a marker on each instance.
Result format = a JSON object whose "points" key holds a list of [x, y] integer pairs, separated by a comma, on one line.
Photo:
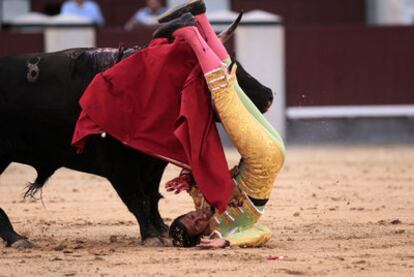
{"points": [[8, 234], [197, 8], [207, 31], [261, 149]]}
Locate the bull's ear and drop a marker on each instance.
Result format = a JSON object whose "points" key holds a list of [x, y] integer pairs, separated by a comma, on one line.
{"points": [[228, 33]]}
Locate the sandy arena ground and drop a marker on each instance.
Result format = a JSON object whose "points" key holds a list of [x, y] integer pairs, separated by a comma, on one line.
{"points": [[339, 211]]}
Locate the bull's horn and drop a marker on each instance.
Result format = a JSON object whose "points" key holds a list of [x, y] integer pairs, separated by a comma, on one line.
{"points": [[228, 33]]}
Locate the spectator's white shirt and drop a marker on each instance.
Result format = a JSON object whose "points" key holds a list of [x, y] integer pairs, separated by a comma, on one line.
{"points": [[89, 9], [146, 17], [408, 12]]}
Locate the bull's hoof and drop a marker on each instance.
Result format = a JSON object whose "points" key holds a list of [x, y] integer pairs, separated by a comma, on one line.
{"points": [[167, 241], [165, 234], [22, 244], [153, 242]]}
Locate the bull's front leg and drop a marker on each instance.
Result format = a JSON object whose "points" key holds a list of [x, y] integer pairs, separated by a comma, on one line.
{"points": [[152, 178], [8, 234], [156, 218], [125, 168], [139, 204]]}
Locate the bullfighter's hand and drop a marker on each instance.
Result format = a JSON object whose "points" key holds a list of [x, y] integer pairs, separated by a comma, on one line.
{"points": [[180, 183], [207, 243]]}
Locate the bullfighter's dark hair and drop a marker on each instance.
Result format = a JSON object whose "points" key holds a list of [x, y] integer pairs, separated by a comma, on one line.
{"points": [[180, 236]]}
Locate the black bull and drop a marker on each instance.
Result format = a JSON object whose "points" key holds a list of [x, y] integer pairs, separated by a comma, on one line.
{"points": [[39, 96]]}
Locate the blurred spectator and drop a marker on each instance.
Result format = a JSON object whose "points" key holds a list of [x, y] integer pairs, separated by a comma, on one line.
{"points": [[147, 15], [408, 12], [84, 8]]}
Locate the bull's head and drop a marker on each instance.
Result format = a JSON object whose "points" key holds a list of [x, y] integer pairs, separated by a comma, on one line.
{"points": [[260, 95]]}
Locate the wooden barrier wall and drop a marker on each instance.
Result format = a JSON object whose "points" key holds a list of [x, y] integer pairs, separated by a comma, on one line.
{"points": [[117, 12], [302, 12], [349, 65], [112, 37], [341, 65], [13, 43]]}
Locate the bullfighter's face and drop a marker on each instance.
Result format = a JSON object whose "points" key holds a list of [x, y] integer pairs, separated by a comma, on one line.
{"points": [[197, 222]]}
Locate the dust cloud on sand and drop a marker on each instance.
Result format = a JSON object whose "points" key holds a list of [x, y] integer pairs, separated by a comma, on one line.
{"points": [[335, 212]]}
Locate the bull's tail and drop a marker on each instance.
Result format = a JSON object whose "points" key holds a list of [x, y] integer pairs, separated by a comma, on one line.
{"points": [[43, 174]]}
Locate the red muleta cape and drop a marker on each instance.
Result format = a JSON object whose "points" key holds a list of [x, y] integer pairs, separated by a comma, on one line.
{"points": [[157, 102]]}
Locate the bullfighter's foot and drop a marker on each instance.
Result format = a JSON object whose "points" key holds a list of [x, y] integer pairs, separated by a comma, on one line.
{"points": [[153, 242], [166, 30], [195, 7], [22, 244]]}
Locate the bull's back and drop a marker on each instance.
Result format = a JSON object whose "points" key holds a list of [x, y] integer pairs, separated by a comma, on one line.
{"points": [[41, 82], [39, 96]]}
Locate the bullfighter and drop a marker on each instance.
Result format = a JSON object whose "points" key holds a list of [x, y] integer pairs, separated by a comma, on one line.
{"points": [[260, 146], [172, 118]]}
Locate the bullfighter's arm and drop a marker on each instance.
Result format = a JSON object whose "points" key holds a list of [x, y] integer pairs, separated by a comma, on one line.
{"points": [[255, 236], [185, 182]]}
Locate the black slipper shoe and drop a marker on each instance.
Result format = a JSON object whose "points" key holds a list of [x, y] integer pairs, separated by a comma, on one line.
{"points": [[166, 30], [195, 7]]}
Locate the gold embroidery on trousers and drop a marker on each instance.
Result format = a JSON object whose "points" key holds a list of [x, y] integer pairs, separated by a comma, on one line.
{"points": [[262, 155]]}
